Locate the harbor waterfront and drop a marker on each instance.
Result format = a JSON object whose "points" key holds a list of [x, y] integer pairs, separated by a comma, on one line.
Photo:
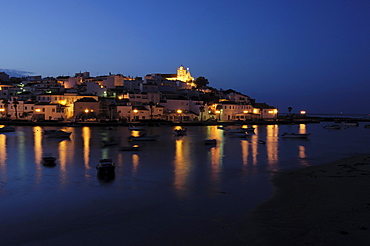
{"points": [[174, 190]]}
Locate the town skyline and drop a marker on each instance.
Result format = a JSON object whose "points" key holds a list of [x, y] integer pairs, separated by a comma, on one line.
{"points": [[295, 110], [172, 97]]}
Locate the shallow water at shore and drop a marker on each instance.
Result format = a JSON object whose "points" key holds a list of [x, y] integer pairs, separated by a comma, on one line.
{"points": [[173, 190]]}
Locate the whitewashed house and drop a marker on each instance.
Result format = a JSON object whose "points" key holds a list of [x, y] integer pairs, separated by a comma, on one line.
{"points": [[48, 111]]}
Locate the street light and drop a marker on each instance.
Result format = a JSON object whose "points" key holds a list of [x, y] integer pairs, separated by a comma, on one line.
{"points": [[179, 111], [219, 114], [135, 112], [86, 112]]}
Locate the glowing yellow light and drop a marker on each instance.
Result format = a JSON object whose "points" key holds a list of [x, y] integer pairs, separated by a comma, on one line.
{"points": [[86, 111], [120, 97], [179, 111], [218, 111], [303, 112], [136, 111], [37, 110], [63, 102], [2, 109], [255, 111], [245, 111]]}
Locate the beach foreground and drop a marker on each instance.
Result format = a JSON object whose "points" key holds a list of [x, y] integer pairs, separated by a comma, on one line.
{"points": [[320, 205]]}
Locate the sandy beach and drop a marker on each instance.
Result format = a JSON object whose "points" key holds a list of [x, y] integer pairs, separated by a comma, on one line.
{"points": [[320, 205]]}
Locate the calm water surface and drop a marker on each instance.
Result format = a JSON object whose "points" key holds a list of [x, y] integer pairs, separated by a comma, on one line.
{"points": [[175, 190]]}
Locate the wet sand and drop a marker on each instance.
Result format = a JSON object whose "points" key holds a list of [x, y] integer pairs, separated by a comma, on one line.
{"points": [[320, 205]]}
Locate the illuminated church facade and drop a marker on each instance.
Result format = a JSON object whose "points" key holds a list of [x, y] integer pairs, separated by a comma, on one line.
{"points": [[183, 74]]}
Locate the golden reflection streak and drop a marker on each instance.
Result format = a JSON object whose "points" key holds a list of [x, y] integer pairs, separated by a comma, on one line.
{"points": [[37, 131], [216, 163], [37, 135], [181, 170], [21, 149], [4, 154], [71, 145], [272, 144], [302, 155], [245, 146], [216, 152], [62, 149], [135, 163], [272, 130], [302, 151], [302, 129], [119, 159], [86, 136], [254, 145]]}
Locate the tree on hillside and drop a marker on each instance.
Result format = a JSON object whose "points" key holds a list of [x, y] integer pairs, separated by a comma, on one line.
{"points": [[201, 82], [290, 110], [15, 80], [15, 105], [6, 103]]}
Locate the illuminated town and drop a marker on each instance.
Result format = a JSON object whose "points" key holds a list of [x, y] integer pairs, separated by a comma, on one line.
{"points": [[172, 97]]}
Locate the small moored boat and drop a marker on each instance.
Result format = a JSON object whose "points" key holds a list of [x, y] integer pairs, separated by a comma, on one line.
{"points": [[210, 142], [180, 132], [334, 126], [57, 134], [237, 134], [106, 166], [238, 130], [350, 123], [7, 129], [137, 128], [295, 135], [144, 138], [73, 125], [249, 129], [48, 160], [130, 148], [110, 142]]}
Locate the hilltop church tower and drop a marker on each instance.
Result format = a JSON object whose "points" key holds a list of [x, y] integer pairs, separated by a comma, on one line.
{"points": [[184, 75]]}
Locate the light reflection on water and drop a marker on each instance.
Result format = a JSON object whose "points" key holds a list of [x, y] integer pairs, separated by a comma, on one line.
{"points": [[173, 175], [3, 155], [84, 147], [86, 136]]}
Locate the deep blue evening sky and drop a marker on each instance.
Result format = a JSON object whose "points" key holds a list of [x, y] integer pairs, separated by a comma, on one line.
{"points": [[311, 55]]}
